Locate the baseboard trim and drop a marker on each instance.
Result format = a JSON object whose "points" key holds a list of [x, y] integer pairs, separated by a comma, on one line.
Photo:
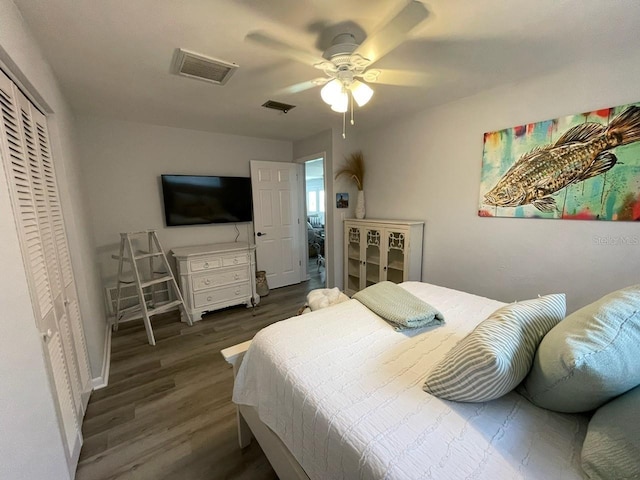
{"points": [[103, 380]]}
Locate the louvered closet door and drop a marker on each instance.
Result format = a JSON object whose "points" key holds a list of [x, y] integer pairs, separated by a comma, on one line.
{"points": [[19, 149], [53, 240], [69, 291]]}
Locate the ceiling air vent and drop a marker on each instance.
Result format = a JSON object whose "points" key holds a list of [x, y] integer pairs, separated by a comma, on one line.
{"points": [[194, 65], [283, 107]]}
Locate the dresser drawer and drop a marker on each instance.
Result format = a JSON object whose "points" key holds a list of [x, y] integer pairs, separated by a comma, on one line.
{"points": [[219, 278], [235, 260], [205, 264], [218, 295]]}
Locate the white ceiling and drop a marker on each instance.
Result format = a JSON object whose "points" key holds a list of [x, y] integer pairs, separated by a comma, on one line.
{"points": [[113, 57]]}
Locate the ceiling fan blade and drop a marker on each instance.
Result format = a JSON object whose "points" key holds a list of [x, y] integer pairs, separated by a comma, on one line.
{"points": [[393, 33], [285, 49], [402, 78], [301, 87]]}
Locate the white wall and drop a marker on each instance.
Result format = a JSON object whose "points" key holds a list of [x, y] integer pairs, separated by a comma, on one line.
{"points": [[428, 168], [342, 148], [122, 164], [25, 63], [31, 445]]}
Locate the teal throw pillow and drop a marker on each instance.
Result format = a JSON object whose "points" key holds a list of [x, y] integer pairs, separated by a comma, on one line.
{"points": [[611, 449], [590, 357]]}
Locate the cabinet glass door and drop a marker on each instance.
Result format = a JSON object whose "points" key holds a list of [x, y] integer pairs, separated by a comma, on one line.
{"points": [[353, 259], [396, 247], [372, 257]]}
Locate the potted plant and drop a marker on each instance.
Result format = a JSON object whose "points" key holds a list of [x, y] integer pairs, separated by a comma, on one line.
{"points": [[354, 170]]}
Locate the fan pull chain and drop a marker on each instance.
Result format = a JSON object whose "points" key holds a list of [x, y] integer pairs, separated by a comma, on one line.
{"points": [[351, 98], [344, 125]]}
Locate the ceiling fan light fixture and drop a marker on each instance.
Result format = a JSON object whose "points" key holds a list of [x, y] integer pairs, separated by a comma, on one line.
{"points": [[349, 58], [361, 92], [341, 103], [331, 92]]}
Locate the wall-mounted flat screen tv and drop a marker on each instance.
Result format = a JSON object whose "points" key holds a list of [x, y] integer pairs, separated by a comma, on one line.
{"points": [[199, 199]]}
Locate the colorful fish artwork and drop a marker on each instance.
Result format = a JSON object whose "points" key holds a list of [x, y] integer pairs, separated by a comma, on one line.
{"points": [[584, 166]]}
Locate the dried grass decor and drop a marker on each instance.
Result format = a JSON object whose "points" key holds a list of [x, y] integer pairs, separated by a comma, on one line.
{"points": [[354, 169]]}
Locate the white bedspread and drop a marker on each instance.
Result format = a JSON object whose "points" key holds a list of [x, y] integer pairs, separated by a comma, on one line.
{"points": [[343, 390]]}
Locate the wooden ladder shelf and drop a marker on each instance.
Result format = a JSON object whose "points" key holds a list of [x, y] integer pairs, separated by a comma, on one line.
{"points": [[159, 273]]}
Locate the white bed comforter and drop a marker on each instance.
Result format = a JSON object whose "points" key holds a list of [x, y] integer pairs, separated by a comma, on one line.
{"points": [[343, 390]]}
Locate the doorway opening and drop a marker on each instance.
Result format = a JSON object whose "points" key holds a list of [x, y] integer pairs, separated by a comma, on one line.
{"points": [[316, 206]]}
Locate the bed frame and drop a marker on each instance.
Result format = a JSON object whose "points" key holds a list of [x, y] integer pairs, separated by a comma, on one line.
{"points": [[250, 426]]}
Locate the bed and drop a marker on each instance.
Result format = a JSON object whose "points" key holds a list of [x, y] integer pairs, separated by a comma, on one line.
{"points": [[337, 394]]}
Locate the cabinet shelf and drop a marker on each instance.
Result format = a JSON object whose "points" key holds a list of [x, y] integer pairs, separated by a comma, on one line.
{"points": [[396, 266], [373, 278]]}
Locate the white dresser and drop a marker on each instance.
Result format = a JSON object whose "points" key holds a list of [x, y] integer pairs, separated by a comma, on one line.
{"points": [[216, 276], [377, 250]]}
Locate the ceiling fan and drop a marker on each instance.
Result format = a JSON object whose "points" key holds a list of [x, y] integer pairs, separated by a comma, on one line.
{"points": [[346, 63]]}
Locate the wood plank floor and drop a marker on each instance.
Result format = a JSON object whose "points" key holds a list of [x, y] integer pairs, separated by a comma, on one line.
{"points": [[167, 412]]}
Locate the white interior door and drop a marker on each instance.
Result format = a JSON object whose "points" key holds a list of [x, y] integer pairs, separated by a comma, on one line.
{"points": [[276, 218]]}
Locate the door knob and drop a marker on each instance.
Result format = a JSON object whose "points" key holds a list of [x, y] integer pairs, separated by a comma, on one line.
{"points": [[260, 234]]}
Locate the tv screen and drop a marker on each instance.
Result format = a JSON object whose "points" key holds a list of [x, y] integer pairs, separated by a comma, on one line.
{"points": [[198, 199]]}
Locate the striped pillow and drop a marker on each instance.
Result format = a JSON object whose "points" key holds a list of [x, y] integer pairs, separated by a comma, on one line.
{"points": [[494, 358]]}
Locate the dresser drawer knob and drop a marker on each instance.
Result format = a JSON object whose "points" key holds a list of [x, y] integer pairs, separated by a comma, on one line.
{"points": [[207, 281]]}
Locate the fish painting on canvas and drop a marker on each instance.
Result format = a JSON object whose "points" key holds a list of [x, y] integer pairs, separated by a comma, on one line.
{"points": [[584, 166]]}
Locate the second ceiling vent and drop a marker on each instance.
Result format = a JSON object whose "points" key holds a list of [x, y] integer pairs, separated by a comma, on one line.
{"points": [[283, 107], [194, 65]]}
